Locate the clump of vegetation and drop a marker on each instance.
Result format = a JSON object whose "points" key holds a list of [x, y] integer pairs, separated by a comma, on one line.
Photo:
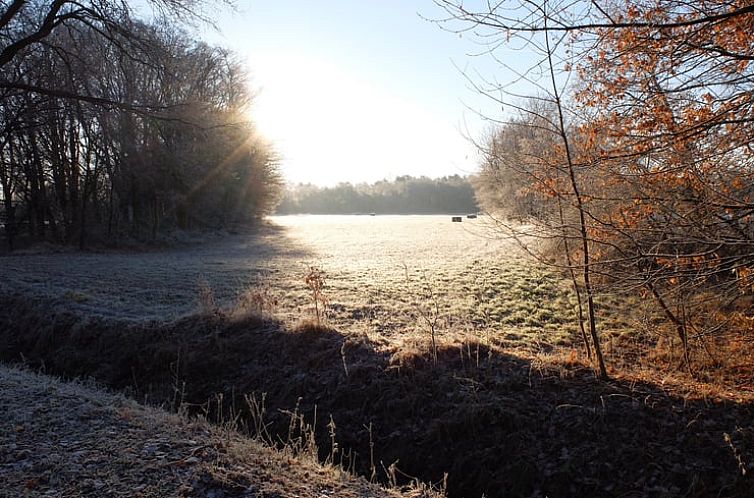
{"points": [[207, 303], [258, 301], [427, 308], [315, 280]]}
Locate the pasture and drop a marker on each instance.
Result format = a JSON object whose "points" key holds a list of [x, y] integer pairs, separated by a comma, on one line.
{"points": [[386, 275], [503, 404]]}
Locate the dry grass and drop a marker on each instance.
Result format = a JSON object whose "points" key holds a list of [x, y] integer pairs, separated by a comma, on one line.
{"points": [[527, 421], [67, 439], [434, 350]]}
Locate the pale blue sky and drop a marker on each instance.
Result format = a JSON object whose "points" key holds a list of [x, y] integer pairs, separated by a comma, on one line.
{"points": [[359, 90]]}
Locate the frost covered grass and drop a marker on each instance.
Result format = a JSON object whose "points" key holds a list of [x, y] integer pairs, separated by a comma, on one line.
{"points": [[67, 439], [156, 285], [379, 270], [494, 401], [484, 420]]}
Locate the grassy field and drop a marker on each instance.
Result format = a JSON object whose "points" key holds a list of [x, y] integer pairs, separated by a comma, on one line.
{"points": [[499, 406], [393, 274], [386, 275], [395, 280]]}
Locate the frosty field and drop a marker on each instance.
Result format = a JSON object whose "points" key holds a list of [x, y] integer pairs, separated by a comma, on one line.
{"points": [[385, 275], [497, 405]]}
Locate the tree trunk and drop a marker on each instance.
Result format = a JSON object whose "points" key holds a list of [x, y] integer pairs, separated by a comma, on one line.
{"points": [[583, 229], [10, 219]]}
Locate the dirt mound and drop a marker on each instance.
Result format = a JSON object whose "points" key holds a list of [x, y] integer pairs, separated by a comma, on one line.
{"points": [[497, 424]]}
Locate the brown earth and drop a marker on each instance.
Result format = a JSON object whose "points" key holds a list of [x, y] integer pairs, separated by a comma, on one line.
{"points": [[498, 423]]}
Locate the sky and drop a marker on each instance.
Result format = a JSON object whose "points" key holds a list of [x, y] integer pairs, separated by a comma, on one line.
{"points": [[359, 90]]}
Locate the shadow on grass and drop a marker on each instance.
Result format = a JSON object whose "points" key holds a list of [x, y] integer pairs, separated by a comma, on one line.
{"points": [[498, 424], [157, 284]]}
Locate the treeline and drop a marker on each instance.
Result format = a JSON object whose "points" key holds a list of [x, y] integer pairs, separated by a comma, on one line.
{"points": [[116, 127], [404, 195]]}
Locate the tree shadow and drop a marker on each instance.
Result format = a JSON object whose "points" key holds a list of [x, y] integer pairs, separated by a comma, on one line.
{"points": [[497, 424], [158, 284]]}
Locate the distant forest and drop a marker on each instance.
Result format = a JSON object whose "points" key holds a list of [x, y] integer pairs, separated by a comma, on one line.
{"points": [[404, 195]]}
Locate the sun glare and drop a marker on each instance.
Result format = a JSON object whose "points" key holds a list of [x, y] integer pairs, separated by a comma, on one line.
{"points": [[330, 125]]}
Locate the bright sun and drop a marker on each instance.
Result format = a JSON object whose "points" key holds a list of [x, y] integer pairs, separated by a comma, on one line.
{"points": [[332, 126]]}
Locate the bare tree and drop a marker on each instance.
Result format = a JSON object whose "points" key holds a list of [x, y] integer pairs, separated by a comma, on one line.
{"points": [[653, 108], [75, 166]]}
